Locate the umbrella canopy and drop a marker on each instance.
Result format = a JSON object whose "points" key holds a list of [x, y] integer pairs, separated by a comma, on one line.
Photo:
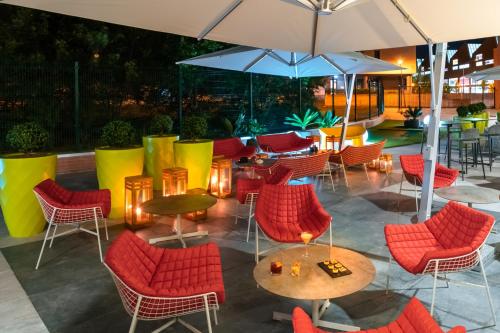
{"points": [[492, 73], [290, 64], [309, 26]]}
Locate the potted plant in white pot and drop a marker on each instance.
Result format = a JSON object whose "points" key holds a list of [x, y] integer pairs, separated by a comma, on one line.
{"points": [[193, 152], [159, 148], [19, 173], [117, 158]]}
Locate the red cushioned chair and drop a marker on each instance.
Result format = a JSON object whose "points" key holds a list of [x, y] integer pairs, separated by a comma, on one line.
{"points": [[414, 319], [283, 142], [63, 207], [351, 156], [247, 190], [413, 171], [283, 212], [156, 283], [233, 149], [448, 242]]}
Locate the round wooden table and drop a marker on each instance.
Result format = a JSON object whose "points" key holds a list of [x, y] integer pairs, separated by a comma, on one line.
{"points": [[178, 205], [314, 284], [469, 194]]}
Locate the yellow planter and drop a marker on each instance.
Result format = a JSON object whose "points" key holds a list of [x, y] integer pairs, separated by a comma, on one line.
{"points": [[18, 175], [196, 156], [113, 165], [480, 125], [158, 155], [354, 133]]}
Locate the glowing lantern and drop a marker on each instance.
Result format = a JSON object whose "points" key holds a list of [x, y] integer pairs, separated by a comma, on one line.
{"points": [[174, 181], [138, 189], [375, 164], [220, 178], [386, 163], [199, 214]]}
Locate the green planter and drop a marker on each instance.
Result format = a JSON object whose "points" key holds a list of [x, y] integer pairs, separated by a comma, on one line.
{"points": [[158, 155], [196, 156], [18, 176], [113, 165]]}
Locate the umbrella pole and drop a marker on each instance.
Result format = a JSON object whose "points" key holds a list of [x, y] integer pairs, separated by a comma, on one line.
{"points": [[251, 95], [349, 81], [431, 148]]}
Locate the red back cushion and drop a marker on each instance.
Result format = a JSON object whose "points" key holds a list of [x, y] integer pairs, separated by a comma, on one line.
{"points": [[352, 155], [134, 261], [49, 189], [227, 147], [457, 225], [415, 319]]}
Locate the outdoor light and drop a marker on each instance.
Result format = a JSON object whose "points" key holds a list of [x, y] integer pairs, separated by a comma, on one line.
{"points": [[385, 163], [138, 189], [174, 181], [199, 214], [374, 164], [220, 178]]}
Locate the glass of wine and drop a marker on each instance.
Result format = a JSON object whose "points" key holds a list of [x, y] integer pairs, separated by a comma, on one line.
{"points": [[306, 238]]}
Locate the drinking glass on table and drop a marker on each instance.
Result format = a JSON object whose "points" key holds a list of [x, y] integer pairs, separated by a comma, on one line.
{"points": [[306, 238]]}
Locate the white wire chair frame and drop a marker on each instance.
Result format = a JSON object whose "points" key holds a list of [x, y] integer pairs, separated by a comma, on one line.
{"points": [[456, 264], [56, 216], [147, 308], [250, 200], [326, 172]]}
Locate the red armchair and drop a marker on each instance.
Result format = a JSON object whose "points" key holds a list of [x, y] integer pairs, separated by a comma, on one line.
{"points": [[63, 207], [247, 190], [283, 212], [448, 242], [351, 156], [232, 148], [414, 319], [156, 283], [413, 172], [283, 142]]}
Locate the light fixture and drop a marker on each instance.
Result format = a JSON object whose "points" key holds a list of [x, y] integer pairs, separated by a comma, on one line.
{"points": [[138, 189], [323, 7], [174, 181]]}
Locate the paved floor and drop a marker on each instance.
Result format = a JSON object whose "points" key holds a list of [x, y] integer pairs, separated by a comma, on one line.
{"points": [[359, 215]]}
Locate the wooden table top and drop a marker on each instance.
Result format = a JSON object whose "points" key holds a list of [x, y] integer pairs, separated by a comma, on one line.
{"points": [[178, 204], [314, 283], [469, 194]]}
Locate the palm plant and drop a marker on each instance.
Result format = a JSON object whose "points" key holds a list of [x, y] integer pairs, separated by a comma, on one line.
{"points": [[412, 113], [296, 121], [328, 120]]}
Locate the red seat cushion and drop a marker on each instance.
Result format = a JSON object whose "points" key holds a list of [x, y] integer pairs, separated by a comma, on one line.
{"points": [[283, 142], [232, 148], [283, 212], [158, 272], [413, 169]]}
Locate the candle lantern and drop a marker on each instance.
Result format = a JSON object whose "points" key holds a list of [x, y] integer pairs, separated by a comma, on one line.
{"points": [[199, 214], [220, 178], [261, 156], [374, 164], [138, 189], [174, 181], [386, 163]]}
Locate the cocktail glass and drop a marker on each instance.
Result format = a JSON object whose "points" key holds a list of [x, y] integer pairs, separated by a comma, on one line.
{"points": [[306, 238]]}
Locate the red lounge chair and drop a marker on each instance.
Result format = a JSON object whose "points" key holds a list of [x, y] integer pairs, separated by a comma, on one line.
{"points": [[413, 171], [351, 156], [232, 148], [63, 207], [156, 283], [448, 242], [283, 212], [414, 319], [283, 143], [247, 190]]}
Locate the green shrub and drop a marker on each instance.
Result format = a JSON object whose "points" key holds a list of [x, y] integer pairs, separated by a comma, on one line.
{"points": [[474, 109], [463, 111], [412, 113], [161, 125], [481, 106], [28, 137], [118, 134], [194, 127]]}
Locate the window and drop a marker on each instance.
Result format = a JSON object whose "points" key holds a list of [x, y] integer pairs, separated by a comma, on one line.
{"points": [[479, 56], [455, 68], [489, 62], [479, 63], [455, 62], [464, 66]]}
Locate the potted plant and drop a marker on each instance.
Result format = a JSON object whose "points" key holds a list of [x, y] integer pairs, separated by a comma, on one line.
{"points": [[411, 117], [117, 158], [159, 148], [328, 120], [19, 173], [303, 123], [193, 152]]}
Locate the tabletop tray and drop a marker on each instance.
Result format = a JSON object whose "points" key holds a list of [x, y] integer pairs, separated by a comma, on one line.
{"points": [[331, 273]]}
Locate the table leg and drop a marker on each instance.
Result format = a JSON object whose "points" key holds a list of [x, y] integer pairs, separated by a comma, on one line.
{"points": [[178, 234], [448, 147]]}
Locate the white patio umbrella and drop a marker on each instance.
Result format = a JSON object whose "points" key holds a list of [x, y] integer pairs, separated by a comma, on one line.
{"points": [[310, 26], [492, 73]]}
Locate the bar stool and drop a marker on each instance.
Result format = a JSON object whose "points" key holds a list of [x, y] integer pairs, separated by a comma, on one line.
{"points": [[491, 133], [331, 139], [470, 138]]}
